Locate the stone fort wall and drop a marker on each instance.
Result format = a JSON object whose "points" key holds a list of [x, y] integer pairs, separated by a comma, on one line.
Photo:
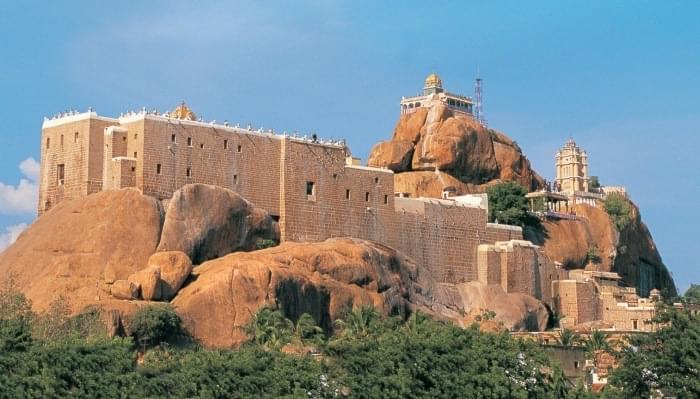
{"points": [[307, 186]]}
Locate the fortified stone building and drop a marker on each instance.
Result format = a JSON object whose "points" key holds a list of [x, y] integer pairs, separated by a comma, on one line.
{"points": [[310, 186], [315, 190]]}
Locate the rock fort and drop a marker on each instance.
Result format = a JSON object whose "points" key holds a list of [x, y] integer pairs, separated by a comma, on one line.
{"points": [[419, 196]]}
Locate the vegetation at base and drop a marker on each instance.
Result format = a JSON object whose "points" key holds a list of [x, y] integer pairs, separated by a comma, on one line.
{"points": [[154, 324], [667, 360], [594, 183], [619, 209], [367, 356]]}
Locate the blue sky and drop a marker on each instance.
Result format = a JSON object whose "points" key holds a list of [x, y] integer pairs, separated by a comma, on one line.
{"points": [[622, 78]]}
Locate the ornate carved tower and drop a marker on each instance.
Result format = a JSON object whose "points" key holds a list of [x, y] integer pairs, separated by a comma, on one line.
{"points": [[572, 168]]}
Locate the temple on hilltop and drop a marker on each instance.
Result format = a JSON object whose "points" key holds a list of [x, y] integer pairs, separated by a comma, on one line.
{"points": [[433, 92], [572, 169]]}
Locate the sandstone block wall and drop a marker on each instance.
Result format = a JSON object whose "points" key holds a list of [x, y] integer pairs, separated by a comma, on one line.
{"points": [[123, 172], [575, 301], [73, 151], [306, 186]]}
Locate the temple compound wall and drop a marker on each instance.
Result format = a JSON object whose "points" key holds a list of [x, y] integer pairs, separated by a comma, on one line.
{"points": [[308, 186]]}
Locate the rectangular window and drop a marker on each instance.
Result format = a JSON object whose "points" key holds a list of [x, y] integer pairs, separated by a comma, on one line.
{"points": [[158, 169], [347, 194], [376, 180], [189, 172], [75, 138], [61, 141], [48, 143], [235, 179], [634, 324], [136, 154], [386, 199], [367, 196], [201, 145], [310, 191], [61, 174], [189, 141], [225, 144], [172, 138], [239, 148], [136, 136]]}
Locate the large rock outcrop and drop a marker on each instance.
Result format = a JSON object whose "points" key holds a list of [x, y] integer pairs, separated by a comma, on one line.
{"points": [[69, 250], [207, 222], [79, 244], [513, 311], [450, 144], [631, 252], [323, 279]]}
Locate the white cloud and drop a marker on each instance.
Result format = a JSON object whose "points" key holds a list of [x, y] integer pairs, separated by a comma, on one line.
{"points": [[22, 198], [30, 168], [10, 235]]}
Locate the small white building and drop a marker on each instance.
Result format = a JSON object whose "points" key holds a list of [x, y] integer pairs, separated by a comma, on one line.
{"points": [[433, 92]]}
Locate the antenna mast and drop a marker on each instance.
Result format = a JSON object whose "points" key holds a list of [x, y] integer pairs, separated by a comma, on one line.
{"points": [[478, 95]]}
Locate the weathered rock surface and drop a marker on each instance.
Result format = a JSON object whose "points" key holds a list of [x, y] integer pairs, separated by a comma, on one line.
{"points": [[394, 155], [69, 250], [631, 253], [323, 279], [124, 289], [175, 267], [456, 145], [149, 281], [432, 184], [517, 312], [207, 222]]}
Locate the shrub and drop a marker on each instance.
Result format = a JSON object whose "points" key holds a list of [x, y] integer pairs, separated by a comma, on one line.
{"points": [[593, 256], [619, 209], [154, 324]]}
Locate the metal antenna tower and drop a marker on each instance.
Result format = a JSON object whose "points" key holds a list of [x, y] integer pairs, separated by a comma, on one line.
{"points": [[478, 96]]}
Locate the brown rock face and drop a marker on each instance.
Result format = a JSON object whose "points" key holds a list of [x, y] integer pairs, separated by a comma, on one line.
{"points": [[149, 281], [638, 261], [631, 253], [394, 155], [207, 222], [123, 289], [517, 312], [68, 249], [323, 279], [432, 184], [175, 267], [456, 145]]}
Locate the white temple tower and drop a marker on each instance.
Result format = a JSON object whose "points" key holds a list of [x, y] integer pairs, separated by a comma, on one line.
{"points": [[572, 169]]}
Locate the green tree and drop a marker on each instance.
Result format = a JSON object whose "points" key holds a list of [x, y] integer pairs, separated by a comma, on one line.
{"points": [[507, 203], [619, 209], [15, 318], [358, 323], [597, 341], [270, 329], [692, 295], [154, 324], [568, 337], [306, 328]]}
